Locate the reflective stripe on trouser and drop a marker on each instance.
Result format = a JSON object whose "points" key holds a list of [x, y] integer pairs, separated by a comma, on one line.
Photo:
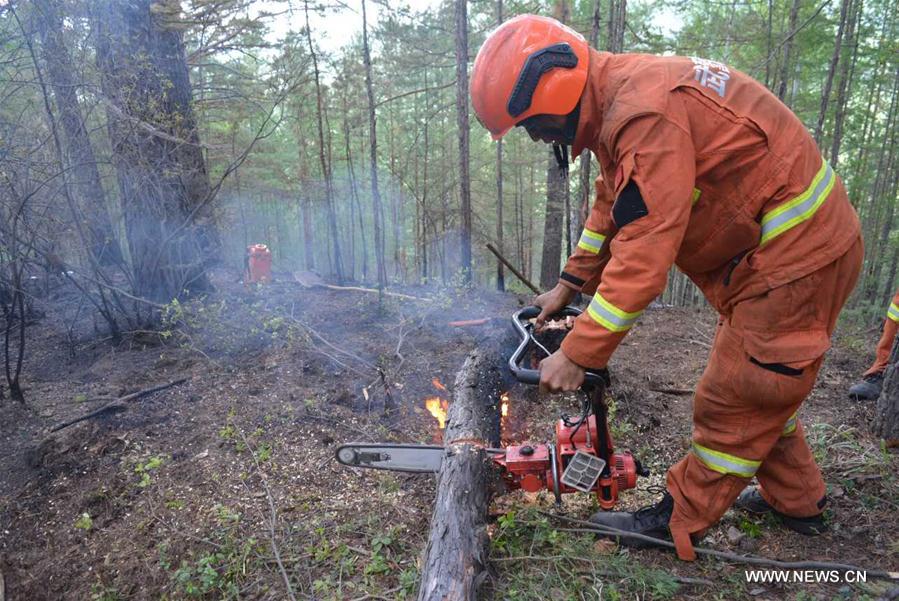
{"points": [[725, 463], [591, 241], [893, 312], [790, 426], [742, 410], [609, 316], [799, 209]]}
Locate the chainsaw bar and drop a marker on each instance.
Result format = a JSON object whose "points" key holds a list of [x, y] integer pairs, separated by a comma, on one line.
{"points": [[414, 458]]}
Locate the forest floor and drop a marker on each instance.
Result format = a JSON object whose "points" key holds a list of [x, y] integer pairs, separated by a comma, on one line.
{"points": [[225, 486]]}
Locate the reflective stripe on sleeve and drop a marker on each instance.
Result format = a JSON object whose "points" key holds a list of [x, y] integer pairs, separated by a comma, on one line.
{"points": [[609, 316], [790, 426], [591, 241], [893, 312], [801, 208], [696, 195], [724, 463]]}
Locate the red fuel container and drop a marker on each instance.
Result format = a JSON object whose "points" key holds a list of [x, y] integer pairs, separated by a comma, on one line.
{"points": [[259, 264]]}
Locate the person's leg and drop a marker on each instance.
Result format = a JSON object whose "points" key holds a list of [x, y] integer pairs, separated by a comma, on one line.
{"points": [[790, 480], [884, 346], [745, 409], [740, 411]]}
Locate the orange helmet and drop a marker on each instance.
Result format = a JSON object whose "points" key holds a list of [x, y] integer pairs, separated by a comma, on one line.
{"points": [[528, 66]]}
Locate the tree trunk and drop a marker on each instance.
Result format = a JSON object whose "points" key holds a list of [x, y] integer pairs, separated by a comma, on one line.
{"points": [[355, 204], [886, 420], [165, 191], [455, 561], [881, 187], [500, 272], [462, 122], [788, 47], [325, 163], [424, 189], [84, 178], [617, 21], [553, 225], [840, 114], [373, 142], [845, 7], [586, 185]]}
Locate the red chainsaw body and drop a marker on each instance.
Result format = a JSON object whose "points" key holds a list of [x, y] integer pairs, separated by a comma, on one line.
{"points": [[529, 466]]}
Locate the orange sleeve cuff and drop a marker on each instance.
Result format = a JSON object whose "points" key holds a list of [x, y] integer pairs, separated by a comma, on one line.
{"points": [[589, 344]]}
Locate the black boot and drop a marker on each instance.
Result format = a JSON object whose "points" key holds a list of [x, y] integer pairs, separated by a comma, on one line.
{"points": [[649, 521], [751, 500], [867, 389]]}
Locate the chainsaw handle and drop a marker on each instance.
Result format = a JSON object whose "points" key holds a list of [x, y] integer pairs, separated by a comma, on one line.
{"points": [[521, 323]]}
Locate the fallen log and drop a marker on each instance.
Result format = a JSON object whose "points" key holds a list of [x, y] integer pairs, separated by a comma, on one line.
{"points": [[117, 405], [308, 279], [455, 563]]}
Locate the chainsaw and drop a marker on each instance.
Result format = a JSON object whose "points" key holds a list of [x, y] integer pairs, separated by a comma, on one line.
{"points": [[582, 459]]}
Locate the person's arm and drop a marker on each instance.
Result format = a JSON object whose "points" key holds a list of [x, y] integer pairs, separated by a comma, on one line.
{"points": [[653, 191], [591, 256]]}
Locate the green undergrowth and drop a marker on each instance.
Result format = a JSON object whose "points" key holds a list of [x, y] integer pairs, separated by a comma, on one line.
{"points": [[536, 560]]}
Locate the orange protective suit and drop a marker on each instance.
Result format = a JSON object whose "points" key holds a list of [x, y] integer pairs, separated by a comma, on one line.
{"points": [[733, 190], [885, 344]]}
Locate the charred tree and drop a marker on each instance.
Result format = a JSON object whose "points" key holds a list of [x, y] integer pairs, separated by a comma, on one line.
{"points": [[455, 562], [12, 304], [160, 167], [84, 176], [462, 123]]}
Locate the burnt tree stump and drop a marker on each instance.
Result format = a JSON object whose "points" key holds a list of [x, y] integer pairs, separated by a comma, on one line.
{"points": [[455, 562], [886, 420]]}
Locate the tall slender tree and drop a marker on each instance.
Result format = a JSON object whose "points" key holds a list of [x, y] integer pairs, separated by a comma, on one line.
{"points": [[462, 123], [500, 270], [323, 157], [373, 143], [84, 176]]}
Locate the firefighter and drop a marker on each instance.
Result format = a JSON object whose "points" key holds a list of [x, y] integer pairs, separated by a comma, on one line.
{"points": [[868, 388], [705, 169]]}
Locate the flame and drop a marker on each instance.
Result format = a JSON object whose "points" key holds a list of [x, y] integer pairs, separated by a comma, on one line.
{"points": [[437, 407], [504, 406], [438, 385]]}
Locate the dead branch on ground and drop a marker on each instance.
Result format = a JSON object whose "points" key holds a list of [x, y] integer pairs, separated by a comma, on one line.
{"points": [[119, 404]]}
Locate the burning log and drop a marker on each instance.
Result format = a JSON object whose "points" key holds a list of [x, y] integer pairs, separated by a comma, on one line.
{"points": [[455, 563]]}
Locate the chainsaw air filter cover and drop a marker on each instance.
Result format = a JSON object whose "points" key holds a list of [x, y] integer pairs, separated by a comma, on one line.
{"points": [[583, 471]]}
